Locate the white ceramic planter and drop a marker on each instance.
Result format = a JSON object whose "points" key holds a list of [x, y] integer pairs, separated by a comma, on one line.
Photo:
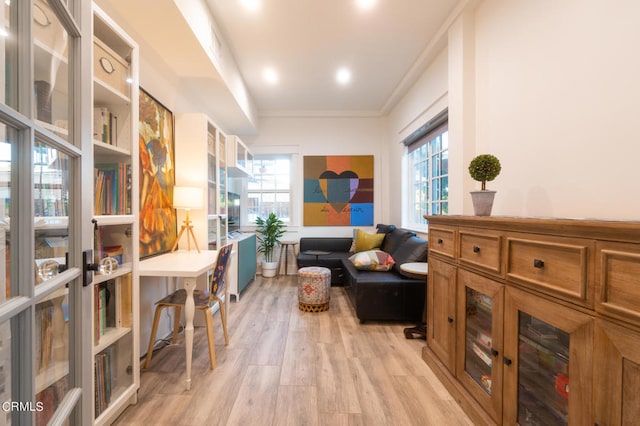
{"points": [[269, 269], [482, 202]]}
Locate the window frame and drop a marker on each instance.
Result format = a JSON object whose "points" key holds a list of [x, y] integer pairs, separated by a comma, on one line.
{"points": [[257, 163], [430, 145]]}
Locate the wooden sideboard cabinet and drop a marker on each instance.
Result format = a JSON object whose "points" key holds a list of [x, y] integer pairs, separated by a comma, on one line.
{"points": [[536, 321]]}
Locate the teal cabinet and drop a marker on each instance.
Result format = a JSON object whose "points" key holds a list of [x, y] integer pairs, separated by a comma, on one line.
{"points": [[243, 263]]}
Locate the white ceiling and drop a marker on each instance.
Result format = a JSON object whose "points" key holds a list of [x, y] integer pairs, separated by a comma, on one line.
{"points": [[386, 48], [306, 41]]}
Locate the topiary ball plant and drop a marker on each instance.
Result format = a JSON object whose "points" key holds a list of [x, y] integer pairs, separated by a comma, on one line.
{"points": [[483, 168]]}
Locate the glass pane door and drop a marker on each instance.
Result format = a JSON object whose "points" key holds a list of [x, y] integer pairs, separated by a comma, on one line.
{"points": [[51, 70], [543, 373], [478, 338]]}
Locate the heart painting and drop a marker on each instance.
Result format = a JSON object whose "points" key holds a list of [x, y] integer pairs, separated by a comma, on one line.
{"points": [[338, 190]]}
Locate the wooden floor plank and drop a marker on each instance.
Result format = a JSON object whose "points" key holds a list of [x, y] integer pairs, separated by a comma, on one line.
{"points": [[288, 367], [296, 406], [256, 402]]}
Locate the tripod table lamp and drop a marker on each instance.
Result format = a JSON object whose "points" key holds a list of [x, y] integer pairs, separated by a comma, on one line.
{"points": [[187, 198]]}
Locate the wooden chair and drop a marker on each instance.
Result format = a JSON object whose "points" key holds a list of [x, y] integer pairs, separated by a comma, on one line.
{"points": [[204, 301]]}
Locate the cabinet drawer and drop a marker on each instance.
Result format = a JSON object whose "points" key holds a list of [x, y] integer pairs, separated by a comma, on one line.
{"points": [[110, 68], [481, 249], [442, 240], [618, 280], [557, 266]]}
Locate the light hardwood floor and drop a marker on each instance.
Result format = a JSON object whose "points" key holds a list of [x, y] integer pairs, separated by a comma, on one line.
{"points": [[287, 367]]}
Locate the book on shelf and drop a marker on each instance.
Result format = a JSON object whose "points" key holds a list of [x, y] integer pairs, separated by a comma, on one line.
{"points": [[104, 308], [125, 302], [44, 335], [112, 188], [105, 125], [96, 314], [104, 379], [49, 399]]}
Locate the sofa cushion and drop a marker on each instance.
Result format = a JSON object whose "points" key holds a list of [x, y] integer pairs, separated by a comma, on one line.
{"points": [[384, 229], [366, 241], [413, 249], [395, 239], [372, 260], [337, 244]]}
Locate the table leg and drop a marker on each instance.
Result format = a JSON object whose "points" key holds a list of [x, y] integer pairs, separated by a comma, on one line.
{"points": [[189, 311], [280, 262], [286, 259]]}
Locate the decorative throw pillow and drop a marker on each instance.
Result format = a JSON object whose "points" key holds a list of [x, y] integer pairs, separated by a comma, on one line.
{"points": [[372, 260], [366, 241]]}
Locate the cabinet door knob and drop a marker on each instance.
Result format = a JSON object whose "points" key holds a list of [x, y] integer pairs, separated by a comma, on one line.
{"points": [[450, 320], [507, 361], [537, 263], [440, 241], [494, 353], [476, 249]]}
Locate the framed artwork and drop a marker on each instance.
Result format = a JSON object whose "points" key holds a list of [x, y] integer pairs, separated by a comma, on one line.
{"points": [[157, 177], [338, 190]]}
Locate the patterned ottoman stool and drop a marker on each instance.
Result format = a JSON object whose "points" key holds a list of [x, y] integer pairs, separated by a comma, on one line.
{"points": [[314, 284]]}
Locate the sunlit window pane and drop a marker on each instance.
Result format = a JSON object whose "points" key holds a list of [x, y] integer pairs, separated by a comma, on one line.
{"points": [[429, 168], [269, 188]]}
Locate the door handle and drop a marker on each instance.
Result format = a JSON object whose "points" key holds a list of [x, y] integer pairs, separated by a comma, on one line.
{"points": [[88, 267]]}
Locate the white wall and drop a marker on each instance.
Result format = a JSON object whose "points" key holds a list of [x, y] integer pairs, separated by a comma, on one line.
{"points": [[325, 136], [557, 98], [558, 102], [427, 97]]}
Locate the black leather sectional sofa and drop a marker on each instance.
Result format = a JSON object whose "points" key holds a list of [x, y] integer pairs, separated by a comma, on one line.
{"points": [[375, 295]]}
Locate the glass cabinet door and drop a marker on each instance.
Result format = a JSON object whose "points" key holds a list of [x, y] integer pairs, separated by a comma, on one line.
{"points": [[479, 365], [547, 362], [543, 372], [51, 70], [212, 174]]}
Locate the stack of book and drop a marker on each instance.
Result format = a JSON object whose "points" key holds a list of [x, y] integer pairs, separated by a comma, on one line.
{"points": [[109, 181], [105, 126]]}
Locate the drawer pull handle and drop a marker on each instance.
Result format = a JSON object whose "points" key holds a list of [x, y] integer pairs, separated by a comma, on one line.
{"points": [[450, 320], [476, 249], [440, 241], [494, 353], [507, 361], [537, 263]]}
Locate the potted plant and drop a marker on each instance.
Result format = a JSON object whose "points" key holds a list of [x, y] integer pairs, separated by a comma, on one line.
{"points": [[483, 168], [270, 230]]}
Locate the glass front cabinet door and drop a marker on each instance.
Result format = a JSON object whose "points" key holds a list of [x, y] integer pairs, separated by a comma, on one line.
{"points": [[479, 343], [548, 354]]}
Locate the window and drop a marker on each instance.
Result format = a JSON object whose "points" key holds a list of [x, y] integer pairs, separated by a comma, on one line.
{"points": [[428, 171], [270, 187]]}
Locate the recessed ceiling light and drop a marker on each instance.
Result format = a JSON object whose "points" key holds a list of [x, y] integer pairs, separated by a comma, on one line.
{"points": [[366, 4], [270, 75], [343, 76], [252, 5]]}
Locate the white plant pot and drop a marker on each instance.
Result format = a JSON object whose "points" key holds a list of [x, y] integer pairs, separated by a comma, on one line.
{"points": [[482, 202], [269, 269]]}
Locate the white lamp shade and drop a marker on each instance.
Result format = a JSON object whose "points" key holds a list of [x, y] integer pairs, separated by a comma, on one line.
{"points": [[187, 197]]}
